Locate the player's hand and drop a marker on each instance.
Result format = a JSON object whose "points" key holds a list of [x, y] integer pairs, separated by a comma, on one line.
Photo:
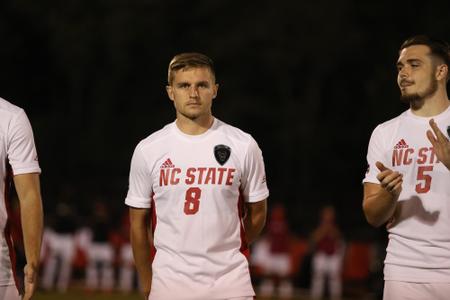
{"points": [[30, 281], [440, 144], [391, 181]]}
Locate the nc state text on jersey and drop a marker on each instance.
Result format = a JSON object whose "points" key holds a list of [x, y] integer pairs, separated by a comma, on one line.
{"points": [[405, 156], [200, 175]]}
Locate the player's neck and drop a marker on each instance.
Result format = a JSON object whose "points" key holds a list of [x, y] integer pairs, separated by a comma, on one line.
{"points": [[194, 126], [434, 105]]}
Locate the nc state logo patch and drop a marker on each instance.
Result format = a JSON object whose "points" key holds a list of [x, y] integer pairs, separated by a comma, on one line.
{"points": [[222, 154]]}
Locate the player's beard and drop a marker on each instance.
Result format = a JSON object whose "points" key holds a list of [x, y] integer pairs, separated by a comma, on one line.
{"points": [[416, 100]]}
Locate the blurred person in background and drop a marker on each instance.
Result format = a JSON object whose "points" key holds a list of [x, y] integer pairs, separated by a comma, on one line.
{"points": [[328, 255], [19, 164], [407, 184], [59, 248], [127, 270], [271, 254], [100, 252], [204, 183]]}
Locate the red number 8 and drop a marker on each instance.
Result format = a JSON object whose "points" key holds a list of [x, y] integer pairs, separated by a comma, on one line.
{"points": [[192, 203]]}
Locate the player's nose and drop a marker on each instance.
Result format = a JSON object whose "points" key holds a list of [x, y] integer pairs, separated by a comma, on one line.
{"points": [[193, 92], [404, 73]]}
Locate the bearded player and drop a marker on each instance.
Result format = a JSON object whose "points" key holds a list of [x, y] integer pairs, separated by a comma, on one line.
{"points": [[204, 183], [407, 184]]}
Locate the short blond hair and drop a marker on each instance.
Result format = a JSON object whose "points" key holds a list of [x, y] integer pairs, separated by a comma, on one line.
{"points": [[189, 60]]}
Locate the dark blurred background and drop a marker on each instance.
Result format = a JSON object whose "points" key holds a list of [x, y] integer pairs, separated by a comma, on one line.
{"points": [[308, 79]]}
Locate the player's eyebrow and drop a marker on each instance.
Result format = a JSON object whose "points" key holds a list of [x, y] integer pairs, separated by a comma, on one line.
{"points": [[183, 83], [409, 61], [413, 60], [203, 82], [198, 83]]}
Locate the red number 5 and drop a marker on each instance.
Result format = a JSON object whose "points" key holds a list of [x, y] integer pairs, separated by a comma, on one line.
{"points": [[424, 186], [192, 203]]}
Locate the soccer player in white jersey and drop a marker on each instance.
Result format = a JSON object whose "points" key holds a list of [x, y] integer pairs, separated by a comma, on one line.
{"points": [[407, 184], [19, 162], [203, 182]]}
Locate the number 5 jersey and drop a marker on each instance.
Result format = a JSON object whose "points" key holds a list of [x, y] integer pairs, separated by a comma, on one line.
{"points": [[196, 187], [419, 232]]}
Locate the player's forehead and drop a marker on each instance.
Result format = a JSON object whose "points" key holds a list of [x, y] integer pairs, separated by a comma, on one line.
{"points": [[414, 52], [193, 74]]}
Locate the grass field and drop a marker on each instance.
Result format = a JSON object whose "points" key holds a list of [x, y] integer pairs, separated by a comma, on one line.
{"points": [[77, 295], [80, 295]]}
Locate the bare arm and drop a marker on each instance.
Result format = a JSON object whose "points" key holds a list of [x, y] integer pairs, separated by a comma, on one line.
{"points": [[255, 219], [140, 235], [28, 190], [380, 200]]}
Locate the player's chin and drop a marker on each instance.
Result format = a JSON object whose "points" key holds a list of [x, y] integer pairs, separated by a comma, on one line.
{"points": [[410, 97], [192, 114], [405, 91]]}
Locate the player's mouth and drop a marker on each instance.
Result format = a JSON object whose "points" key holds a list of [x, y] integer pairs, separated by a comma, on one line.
{"points": [[404, 84], [193, 104]]}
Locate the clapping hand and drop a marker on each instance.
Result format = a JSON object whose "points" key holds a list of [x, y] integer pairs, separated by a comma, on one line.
{"points": [[391, 181], [440, 143]]}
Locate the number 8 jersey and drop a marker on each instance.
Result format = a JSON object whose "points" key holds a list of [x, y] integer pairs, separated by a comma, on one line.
{"points": [[195, 187], [419, 233]]}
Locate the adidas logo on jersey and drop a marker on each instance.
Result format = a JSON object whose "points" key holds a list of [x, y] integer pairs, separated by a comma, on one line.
{"points": [[167, 164], [401, 145]]}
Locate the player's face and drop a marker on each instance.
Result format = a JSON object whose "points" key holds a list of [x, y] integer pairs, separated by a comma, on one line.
{"points": [[328, 215], [192, 92], [416, 74]]}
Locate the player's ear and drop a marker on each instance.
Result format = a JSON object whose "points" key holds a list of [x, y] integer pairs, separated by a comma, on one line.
{"points": [[169, 90], [216, 88], [442, 72]]}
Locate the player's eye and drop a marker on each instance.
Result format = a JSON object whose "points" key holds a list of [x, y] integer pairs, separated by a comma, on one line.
{"points": [[183, 85]]}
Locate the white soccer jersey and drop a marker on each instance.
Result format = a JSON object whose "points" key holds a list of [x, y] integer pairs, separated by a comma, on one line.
{"points": [[17, 151], [196, 186], [419, 239]]}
